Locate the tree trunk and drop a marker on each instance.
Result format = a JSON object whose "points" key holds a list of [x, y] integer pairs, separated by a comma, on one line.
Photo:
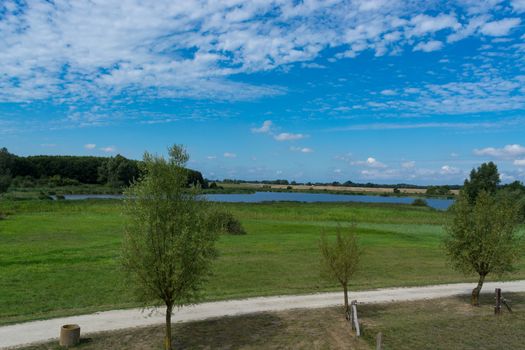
{"points": [[475, 292], [167, 337], [347, 307]]}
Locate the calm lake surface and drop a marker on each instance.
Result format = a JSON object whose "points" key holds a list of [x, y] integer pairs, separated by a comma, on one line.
{"points": [[258, 197]]}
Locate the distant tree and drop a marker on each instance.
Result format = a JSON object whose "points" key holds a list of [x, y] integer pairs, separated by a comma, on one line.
{"points": [[118, 171], [340, 259], [515, 192], [169, 243], [484, 178], [438, 190], [482, 238], [6, 165]]}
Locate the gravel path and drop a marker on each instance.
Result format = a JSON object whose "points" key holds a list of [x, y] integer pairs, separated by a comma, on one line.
{"points": [[40, 331]]}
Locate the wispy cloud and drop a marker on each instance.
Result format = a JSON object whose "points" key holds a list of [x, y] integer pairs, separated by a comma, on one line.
{"points": [[118, 48], [90, 146], [285, 136], [109, 149], [229, 155], [501, 27], [265, 128], [301, 149], [508, 151], [370, 162]]}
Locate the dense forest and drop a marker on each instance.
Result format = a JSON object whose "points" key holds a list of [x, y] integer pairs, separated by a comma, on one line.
{"points": [[44, 170]]}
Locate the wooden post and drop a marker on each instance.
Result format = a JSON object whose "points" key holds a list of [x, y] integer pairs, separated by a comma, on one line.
{"points": [[379, 341], [355, 320], [497, 308]]}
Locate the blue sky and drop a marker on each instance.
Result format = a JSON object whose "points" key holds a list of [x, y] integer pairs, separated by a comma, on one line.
{"points": [[380, 91]]}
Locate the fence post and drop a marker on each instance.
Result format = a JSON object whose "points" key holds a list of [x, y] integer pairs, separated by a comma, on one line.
{"points": [[355, 320], [379, 341], [497, 308]]}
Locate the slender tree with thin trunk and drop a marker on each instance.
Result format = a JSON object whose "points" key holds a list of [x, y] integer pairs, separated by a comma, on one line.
{"points": [[340, 259], [169, 243], [482, 237]]}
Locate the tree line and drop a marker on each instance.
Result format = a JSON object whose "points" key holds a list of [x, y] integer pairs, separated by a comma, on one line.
{"points": [[117, 171]]}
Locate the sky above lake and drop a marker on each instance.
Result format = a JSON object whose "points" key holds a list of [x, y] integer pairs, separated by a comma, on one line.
{"points": [[368, 91]]}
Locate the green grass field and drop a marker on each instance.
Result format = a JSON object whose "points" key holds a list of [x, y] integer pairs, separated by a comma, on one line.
{"points": [[62, 258]]}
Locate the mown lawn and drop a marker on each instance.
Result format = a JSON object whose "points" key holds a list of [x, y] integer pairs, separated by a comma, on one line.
{"points": [[61, 258]]}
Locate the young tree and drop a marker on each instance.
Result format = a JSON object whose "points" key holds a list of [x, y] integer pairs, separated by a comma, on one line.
{"points": [[168, 242], [340, 259], [482, 237]]}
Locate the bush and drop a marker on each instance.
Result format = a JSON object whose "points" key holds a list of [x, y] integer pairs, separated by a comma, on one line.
{"points": [[420, 202], [289, 187], [44, 196], [5, 182], [60, 197], [227, 223]]}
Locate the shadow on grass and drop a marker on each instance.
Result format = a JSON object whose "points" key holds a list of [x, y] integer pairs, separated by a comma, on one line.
{"points": [[230, 332]]}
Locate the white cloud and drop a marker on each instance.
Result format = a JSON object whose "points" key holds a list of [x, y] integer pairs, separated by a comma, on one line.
{"points": [[519, 162], [312, 65], [90, 146], [211, 157], [284, 136], [449, 170], [338, 171], [192, 48], [429, 46], [109, 149], [388, 92], [48, 145], [427, 24], [501, 27], [229, 155], [301, 149], [509, 151], [408, 165], [265, 128], [370, 162], [518, 5]]}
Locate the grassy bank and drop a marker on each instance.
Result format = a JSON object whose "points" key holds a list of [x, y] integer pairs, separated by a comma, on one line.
{"points": [[437, 324], [61, 258]]}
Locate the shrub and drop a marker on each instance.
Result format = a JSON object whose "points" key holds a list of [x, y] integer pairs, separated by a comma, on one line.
{"points": [[227, 223], [60, 197], [420, 202], [289, 187], [44, 196], [5, 182]]}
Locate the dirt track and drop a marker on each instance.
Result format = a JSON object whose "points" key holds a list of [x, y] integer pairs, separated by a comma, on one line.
{"points": [[40, 331]]}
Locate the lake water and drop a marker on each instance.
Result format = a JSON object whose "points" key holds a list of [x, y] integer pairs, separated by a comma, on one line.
{"points": [[258, 197]]}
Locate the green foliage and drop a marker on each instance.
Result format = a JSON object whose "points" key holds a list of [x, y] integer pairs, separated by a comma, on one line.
{"points": [[5, 182], [484, 178], [340, 259], [55, 171], [420, 202], [226, 223], [482, 238], [168, 241], [118, 171], [515, 192], [438, 190]]}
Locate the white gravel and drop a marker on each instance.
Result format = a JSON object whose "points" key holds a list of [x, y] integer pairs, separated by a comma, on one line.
{"points": [[40, 331]]}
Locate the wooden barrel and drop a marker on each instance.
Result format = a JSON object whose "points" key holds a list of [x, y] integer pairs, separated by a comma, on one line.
{"points": [[69, 335]]}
